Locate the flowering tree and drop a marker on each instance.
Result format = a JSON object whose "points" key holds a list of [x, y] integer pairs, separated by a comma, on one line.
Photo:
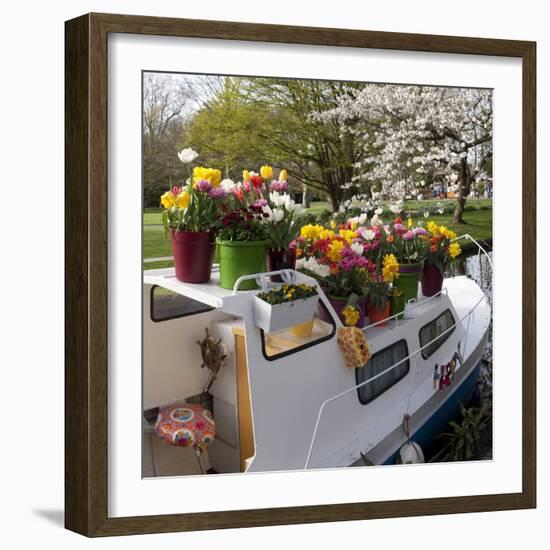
{"points": [[416, 132]]}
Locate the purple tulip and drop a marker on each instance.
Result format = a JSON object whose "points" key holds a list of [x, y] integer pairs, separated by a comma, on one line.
{"points": [[420, 231], [204, 186], [259, 203], [217, 193], [408, 235]]}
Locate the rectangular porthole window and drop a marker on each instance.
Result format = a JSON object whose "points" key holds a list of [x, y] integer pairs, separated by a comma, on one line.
{"points": [[433, 330], [379, 362], [166, 305]]}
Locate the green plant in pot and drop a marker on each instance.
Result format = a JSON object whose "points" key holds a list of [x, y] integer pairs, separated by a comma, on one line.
{"points": [[190, 217], [242, 242]]}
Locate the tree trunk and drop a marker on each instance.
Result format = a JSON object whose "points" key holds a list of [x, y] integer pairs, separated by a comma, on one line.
{"points": [[306, 197], [464, 190]]}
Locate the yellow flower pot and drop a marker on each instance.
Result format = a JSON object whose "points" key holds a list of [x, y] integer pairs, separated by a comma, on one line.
{"points": [[302, 330]]}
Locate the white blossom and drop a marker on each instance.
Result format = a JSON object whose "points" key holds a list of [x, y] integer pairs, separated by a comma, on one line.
{"points": [[228, 185]]}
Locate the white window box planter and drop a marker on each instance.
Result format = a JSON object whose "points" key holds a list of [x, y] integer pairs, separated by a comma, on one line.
{"points": [[280, 316]]}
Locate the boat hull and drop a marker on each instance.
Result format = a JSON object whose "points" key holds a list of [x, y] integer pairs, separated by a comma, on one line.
{"points": [[449, 410]]}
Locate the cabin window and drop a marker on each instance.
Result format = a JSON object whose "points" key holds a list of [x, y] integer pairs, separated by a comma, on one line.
{"points": [[166, 305], [293, 340], [379, 362], [433, 330]]}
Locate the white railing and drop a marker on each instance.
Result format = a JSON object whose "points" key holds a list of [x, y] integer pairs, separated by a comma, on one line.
{"points": [[412, 355]]}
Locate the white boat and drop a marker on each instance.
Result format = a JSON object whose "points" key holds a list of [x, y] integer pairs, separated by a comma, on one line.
{"points": [[283, 402]]}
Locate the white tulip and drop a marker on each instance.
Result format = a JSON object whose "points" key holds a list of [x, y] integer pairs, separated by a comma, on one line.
{"points": [[278, 215], [187, 155], [228, 185]]}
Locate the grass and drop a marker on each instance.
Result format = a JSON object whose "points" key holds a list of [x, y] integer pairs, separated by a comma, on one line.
{"points": [[478, 223]]}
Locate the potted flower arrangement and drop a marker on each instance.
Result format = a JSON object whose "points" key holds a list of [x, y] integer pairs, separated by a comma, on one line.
{"points": [[282, 226], [242, 241], [336, 258], [408, 248], [380, 290], [189, 217], [285, 306], [439, 253]]}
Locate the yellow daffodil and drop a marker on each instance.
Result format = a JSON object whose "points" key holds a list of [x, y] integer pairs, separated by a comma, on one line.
{"points": [[454, 250], [351, 315], [283, 175], [246, 175], [448, 233], [433, 228], [335, 250], [390, 268], [168, 200], [183, 199], [266, 172]]}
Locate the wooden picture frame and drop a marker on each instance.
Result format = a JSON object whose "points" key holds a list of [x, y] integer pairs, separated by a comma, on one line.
{"points": [[86, 281]]}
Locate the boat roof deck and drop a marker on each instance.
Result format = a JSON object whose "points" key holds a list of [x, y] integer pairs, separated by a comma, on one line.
{"points": [[210, 293]]}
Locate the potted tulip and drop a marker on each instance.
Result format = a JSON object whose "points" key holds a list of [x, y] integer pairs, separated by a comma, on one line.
{"points": [[338, 261], [285, 306], [282, 227], [189, 217], [439, 253], [242, 242], [406, 245]]}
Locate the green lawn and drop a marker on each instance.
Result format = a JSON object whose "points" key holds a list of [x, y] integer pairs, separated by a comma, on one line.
{"points": [[478, 223]]}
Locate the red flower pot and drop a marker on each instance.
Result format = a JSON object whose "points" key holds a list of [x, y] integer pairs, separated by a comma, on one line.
{"points": [[193, 255], [377, 314], [280, 259], [432, 280]]}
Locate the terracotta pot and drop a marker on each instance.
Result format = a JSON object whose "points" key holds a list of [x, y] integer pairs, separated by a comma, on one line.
{"points": [[377, 314], [280, 259], [193, 255], [432, 280]]}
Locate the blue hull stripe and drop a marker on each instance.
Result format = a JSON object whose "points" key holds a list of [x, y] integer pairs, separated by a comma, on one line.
{"points": [[438, 422]]}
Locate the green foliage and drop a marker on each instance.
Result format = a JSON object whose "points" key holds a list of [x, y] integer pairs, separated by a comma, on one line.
{"points": [[287, 293], [465, 438]]}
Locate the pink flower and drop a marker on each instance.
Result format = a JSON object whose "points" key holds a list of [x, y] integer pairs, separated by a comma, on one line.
{"points": [[279, 186], [399, 228], [260, 203], [407, 236], [246, 186]]}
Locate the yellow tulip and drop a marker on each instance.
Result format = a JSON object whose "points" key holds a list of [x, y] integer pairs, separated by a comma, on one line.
{"points": [[168, 200], [215, 177], [183, 199], [246, 175], [409, 222], [283, 175], [266, 172]]}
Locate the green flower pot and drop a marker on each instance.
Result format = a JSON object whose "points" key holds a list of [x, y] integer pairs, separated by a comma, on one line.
{"points": [[409, 276], [240, 258], [397, 305]]}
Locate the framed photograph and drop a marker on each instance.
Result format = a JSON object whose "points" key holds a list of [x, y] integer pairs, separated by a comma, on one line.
{"points": [[300, 274]]}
